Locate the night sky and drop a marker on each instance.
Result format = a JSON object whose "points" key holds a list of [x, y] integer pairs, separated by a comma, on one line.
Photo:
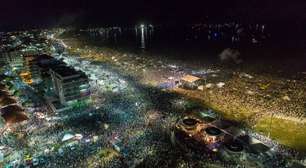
{"points": [[100, 12]]}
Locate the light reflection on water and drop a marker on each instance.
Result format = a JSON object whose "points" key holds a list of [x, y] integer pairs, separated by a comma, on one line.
{"points": [[141, 34], [142, 41], [144, 35]]}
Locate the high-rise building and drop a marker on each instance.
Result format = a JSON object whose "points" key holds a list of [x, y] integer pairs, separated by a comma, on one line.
{"points": [[30, 72], [12, 58], [69, 85], [45, 63]]}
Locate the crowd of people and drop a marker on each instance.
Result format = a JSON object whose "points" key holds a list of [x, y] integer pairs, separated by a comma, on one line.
{"points": [[126, 127]]}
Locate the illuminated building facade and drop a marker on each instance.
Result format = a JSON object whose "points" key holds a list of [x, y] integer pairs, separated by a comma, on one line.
{"points": [[69, 85], [30, 63], [30, 71], [12, 58]]}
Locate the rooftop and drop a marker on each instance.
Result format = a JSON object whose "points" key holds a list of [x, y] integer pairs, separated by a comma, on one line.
{"points": [[7, 101], [190, 78], [2, 87], [4, 93], [13, 114], [66, 71], [47, 63], [43, 57]]}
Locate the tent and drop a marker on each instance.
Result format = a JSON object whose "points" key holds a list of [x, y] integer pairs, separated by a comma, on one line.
{"points": [[67, 137], [13, 114], [7, 101]]}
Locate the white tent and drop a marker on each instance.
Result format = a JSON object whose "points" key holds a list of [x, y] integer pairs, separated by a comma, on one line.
{"points": [[67, 137]]}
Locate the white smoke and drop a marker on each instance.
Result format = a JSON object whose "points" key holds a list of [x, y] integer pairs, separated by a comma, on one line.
{"points": [[230, 55]]}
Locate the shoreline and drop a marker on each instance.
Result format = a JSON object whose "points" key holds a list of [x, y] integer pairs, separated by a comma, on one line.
{"points": [[242, 114]]}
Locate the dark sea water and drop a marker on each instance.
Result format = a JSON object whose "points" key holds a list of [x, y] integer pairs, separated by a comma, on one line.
{"points": [[259, 48]]}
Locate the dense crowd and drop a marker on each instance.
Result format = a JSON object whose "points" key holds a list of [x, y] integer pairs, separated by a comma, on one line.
{"points": [[129, 125]]}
